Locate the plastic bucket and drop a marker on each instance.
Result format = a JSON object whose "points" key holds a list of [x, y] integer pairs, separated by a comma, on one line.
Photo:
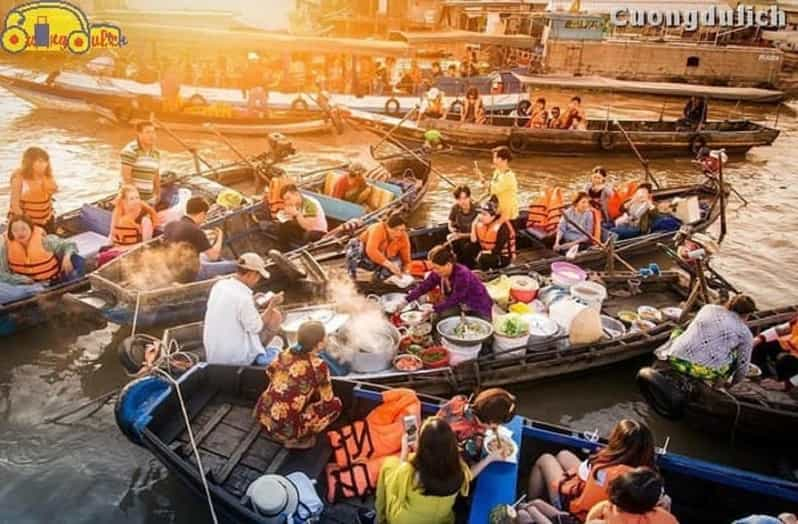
{"points": [[501, 345], [591, 294], [460, 353], [564, 311], [565, 274]]}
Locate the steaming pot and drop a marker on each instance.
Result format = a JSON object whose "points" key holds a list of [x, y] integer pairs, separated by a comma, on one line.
{"points": [[379, 356]]}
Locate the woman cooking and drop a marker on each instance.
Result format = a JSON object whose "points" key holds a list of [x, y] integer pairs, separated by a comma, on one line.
{"points": [[460, 287]]}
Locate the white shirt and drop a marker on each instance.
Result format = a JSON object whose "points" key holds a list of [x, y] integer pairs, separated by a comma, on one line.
{"points": [[231, 333]]}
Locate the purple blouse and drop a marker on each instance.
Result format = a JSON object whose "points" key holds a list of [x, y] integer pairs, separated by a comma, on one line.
{"points": [[466, 290]]}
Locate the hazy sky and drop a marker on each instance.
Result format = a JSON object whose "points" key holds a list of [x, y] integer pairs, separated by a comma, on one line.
{"points": [[268, 14]]}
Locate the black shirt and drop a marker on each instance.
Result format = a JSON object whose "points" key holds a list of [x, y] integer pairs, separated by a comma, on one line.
{"points": [[462, 221], [186, 230]]}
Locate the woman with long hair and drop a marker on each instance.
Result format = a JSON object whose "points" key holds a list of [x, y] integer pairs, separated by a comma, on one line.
{"points": [[133, 221], [421, 487], [33, 187], [473, 109], [576, 486]]}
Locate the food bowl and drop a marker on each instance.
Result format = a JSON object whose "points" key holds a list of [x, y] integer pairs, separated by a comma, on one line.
{"points": [[649, 313], [628, 317], [642, 325], [412, 318], [390, 302], [510, 448], [407, 363], [420, 332], [612, 328], [476, 330], [754, 371], [672, 313], [435, 357]]}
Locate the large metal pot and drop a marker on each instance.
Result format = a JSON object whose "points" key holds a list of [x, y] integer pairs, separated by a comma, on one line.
{"points": [[382, 346], [296, 317]]}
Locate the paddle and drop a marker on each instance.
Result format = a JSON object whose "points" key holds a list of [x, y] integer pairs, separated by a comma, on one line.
{"points": [[180, 141], [642, 160], [599, 243], [260, 176], [396, 126], [326, 110]]}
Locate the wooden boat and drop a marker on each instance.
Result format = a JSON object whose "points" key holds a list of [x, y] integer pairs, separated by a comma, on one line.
{"points": [[88, 228], [234, 451], [194, 117], [538, 358], [746, 408], [679, 89], [73, 91], [399, 183], [654, 138]]}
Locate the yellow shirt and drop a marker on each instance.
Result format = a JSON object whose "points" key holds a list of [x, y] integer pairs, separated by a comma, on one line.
{"points": [[505, 187], [400, 499]]}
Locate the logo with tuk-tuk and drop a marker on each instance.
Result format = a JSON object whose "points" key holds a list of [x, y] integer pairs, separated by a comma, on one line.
{"points": [[56, 26]]}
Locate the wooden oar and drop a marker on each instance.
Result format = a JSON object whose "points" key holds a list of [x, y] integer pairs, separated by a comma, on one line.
{"points": [[239, 154], [599, 243], [431, 167], [193, 151], [326, 112], [397, 126], [642, 160]]}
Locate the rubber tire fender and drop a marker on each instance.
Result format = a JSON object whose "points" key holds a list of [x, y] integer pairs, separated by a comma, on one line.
{"points": [[392, 107], [456, 107], [517, 143], [661, 393], [299, 104], [523, 108]]}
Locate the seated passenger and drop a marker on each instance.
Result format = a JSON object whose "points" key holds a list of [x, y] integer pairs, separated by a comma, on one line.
{"points": [[234, 331], [473, 111], [634, 497], [717, 344], [187, 233], [306, 219], [629, 224], [779, 346], [555, 119], [299, 402], [600, 192], [575, 117], [422, 486], [432, 105], [694, 112], [32, 189], [132, 221], [580, 214], [383, 248], [28, 255], [470, 420], [495, 236], [540, 116], [461, 218], [461, 289], [576, 486], [353, 187]]}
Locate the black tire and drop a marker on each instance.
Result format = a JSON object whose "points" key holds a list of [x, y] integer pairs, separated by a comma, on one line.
{"points": [[696, 143], [607, 141], [517, 143], [661, 393], [299, 104], [392, 107], [287, 267], [197, 100], [456, 107], [523, 107]]}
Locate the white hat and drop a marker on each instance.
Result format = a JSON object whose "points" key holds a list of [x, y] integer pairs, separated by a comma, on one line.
{"points": [[273, 497], [433, 93], [253, 262]]}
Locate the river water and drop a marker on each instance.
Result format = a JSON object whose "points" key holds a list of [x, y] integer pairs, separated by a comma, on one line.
{"points": [[88, 472]]}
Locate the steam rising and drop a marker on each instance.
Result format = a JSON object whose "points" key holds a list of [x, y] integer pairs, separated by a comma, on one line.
{"points": [[160, 267]]}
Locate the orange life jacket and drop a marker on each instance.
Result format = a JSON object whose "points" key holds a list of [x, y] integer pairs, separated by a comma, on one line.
{"points": [[546, 210], [488, 234], [580, 496], [597, 218], [789, 342], [36, 201], [622, 193], [127, 231], [359, 448], [276, 184], [419, 268], [34, 262]]}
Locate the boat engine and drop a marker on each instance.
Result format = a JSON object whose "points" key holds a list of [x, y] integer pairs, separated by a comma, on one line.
{"points": [[280, 147]]}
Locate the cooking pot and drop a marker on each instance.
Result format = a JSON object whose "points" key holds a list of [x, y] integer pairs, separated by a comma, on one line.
{"points": [[296, 317], [389, 302], [381, 346]]}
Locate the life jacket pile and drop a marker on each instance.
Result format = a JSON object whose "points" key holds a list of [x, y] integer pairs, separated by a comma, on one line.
{"points": [[579, 496], [276, 185], [487, 235], [546, 210], [622, 194], [35, 262], [127, 231], [361, 447], [36, 201]]}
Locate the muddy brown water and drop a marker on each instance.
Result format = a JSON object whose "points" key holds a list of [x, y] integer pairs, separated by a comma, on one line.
{"points": [[88, 472]]}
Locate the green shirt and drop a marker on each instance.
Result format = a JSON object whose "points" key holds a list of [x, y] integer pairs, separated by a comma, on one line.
{"points": [[144, 165]]}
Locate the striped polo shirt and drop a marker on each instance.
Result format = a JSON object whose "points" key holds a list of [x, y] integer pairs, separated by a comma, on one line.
{"points": [[144, 165]]}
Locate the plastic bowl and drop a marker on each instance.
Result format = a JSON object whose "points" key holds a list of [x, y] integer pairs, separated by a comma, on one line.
{"points": [[415, 362], [565, 274], [628, 317], [439, 363], [649, 313]]}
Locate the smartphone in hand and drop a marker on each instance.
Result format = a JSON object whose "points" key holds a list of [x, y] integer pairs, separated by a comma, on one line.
{"points": [[411, 429], [263, 299]]}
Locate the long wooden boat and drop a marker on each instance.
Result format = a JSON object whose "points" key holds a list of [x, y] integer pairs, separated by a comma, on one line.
{"points": [[131, 110], [73, 91], [89, 230], [745, 409], [235, 451], [538, 359], [399, 183], [654, 138]]}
